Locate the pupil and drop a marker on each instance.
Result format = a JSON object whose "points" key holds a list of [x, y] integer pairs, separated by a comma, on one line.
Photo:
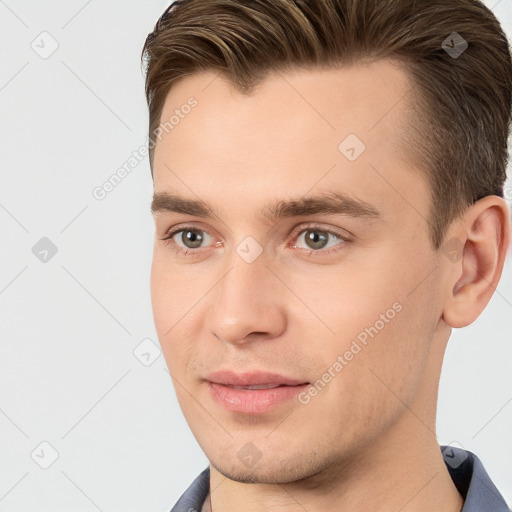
{"points": [[316, 241], [192, 239]]}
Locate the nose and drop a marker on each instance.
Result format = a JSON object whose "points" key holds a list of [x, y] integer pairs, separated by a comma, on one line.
{"points": [[248, 303]]}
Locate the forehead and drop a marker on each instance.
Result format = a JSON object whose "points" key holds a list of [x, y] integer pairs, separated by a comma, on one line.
{"points": [[287, 135]]}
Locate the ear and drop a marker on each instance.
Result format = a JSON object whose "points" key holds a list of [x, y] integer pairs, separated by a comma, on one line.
{"points": [[476, 253]]}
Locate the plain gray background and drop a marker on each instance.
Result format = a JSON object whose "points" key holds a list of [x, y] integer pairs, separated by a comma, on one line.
{"points": [[72, 325]]}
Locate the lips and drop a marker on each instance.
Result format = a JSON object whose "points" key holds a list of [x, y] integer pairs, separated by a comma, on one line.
{"points": [[252, 393]]}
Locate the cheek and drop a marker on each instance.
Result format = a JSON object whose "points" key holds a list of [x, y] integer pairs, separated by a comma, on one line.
{"points": [[373, 319], [175, 289], [372, 383], [347, 302], [161, 297], [173, 296]]}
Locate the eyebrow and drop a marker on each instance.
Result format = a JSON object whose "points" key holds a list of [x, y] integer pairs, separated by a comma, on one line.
{"points": [[332, 203]]}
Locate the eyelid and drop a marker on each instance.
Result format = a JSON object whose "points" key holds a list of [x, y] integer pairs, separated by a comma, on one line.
{"points": [[178, 228], [183, 227], [340, 233]]}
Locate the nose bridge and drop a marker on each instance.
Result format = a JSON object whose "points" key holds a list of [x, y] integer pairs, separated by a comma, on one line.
{"points": [[246, 299]]}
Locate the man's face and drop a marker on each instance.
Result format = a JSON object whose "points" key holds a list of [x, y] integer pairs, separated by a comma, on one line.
{"points": [[346, 301]]}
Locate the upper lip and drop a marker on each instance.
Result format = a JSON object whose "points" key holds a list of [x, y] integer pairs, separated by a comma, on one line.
{"points": [[230, 378]]}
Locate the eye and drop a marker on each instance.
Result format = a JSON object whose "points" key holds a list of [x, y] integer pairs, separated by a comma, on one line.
{"points": [[189, 238], [317, 240]]}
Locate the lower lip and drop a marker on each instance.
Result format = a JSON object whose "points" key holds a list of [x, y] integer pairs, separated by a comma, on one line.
{"points": [[253, 401]]}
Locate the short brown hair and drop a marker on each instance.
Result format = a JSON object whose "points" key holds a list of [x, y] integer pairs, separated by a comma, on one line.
{"points": [[460, 116]]}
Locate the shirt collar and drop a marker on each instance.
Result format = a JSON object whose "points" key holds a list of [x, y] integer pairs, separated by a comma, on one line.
{"points": [[472, 481]]}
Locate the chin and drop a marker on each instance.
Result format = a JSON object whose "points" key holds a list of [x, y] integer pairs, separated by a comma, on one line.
{"points": [[269, 470]]}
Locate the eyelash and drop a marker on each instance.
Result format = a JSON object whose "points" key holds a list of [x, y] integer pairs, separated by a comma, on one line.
{"points": [[295, 233]]}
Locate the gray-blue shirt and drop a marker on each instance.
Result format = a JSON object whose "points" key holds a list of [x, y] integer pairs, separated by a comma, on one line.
{"points": [[465, 468]]}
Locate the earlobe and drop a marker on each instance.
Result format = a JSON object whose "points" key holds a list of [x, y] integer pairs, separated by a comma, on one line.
{"points": [[483, 236]]}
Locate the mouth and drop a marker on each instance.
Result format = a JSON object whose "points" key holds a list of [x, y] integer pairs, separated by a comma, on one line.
{"points": [[252, 393]]}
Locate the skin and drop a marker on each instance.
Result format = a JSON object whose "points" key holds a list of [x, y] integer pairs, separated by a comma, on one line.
{"points": [[353, 445]]}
